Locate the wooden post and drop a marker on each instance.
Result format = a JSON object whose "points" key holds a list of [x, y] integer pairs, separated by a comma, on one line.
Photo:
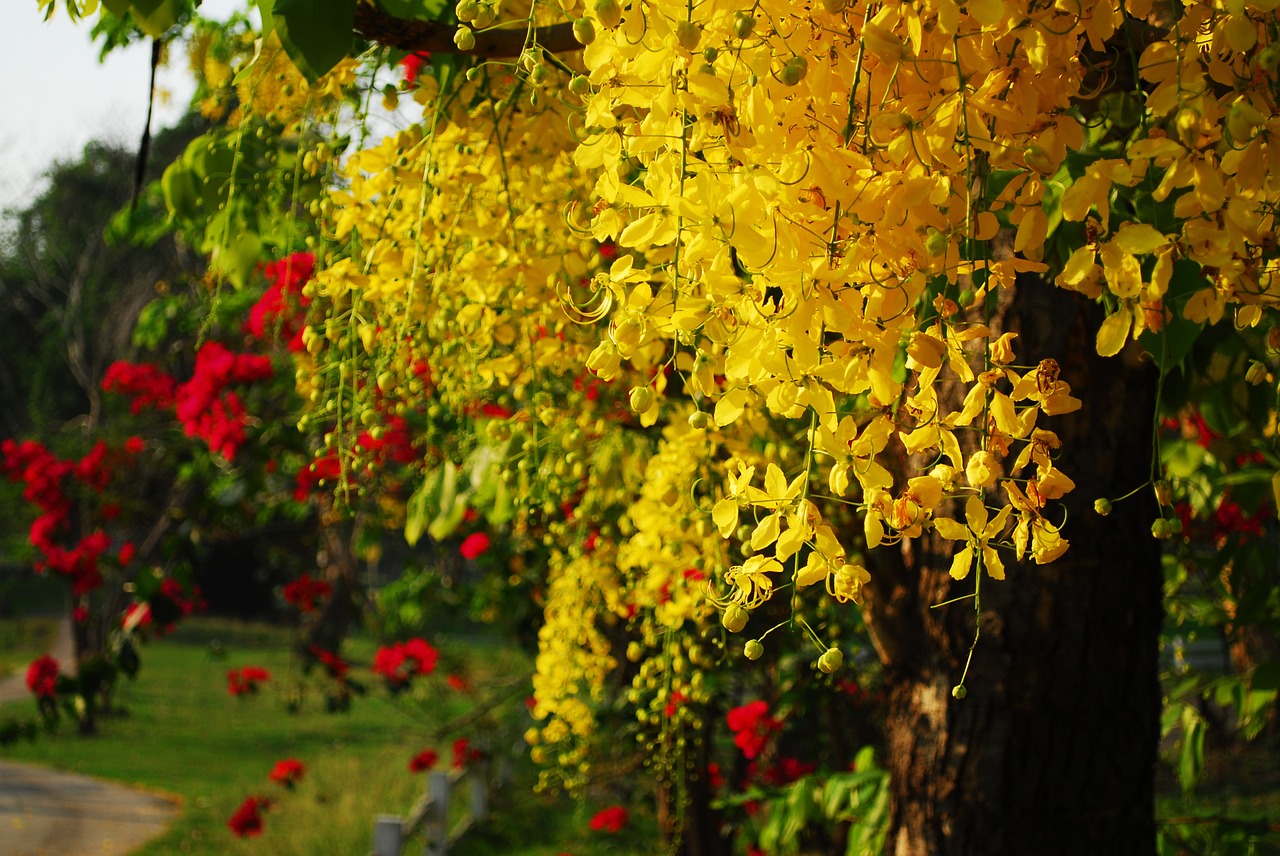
{"points": [[386, 835]]}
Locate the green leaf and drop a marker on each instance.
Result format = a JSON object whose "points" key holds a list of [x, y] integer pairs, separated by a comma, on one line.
{"points": [[1266, 676], [421, 506], [1174, 342], [452, 505], [423, 10], [1191, 759], [316, 34], [155, 18], [237, 258]]}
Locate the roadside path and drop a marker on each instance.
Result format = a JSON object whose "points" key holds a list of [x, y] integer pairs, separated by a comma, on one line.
{"points": [[50, 813]]}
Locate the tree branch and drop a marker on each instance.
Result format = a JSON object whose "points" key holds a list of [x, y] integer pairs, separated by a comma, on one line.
{"points": [[432, 37]]}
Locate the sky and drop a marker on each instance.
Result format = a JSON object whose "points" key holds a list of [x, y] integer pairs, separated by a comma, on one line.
{"points": [[57, 96]]}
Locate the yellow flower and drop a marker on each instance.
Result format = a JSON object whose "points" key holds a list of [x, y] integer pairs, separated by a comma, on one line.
{"points": [[977, 532], [1045, 541]]}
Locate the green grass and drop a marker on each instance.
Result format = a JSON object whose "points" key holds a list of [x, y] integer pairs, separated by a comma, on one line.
{"points": [[184, 735]]}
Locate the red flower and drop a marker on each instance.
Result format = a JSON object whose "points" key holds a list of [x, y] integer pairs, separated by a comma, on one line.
{"points": [[463, 754], [287, 772], [333, 664], [247, 821], [423, 655], [305, 591], [244, 681], [459, 683], [134, 445], [610, 819], [474, 545], [412, 64], [401, 661], [127, 552], [42, 676], [752, 727], [424, 760]]}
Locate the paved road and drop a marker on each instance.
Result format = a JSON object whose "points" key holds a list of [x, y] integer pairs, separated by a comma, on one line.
{"points": [[50, 813]]}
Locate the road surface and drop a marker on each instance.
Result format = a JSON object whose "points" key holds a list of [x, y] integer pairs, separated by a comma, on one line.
{"points": [[49, 813]]}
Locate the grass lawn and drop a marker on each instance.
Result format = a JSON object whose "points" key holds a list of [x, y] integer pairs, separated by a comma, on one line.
{"points": [[183, 734]]}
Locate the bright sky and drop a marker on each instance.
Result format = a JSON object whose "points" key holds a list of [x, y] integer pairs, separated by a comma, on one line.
{"points": [[56, 96]]}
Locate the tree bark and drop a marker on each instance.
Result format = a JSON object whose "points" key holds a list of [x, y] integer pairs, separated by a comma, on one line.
{"points": [[1054, 748]]}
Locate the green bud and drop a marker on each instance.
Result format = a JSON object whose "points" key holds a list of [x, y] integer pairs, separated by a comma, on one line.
{"points": [[753, 650], [641, 399], [734, 618], [831, 660], [584, 31], [1102, 506], [958, 692], [464, 39]]}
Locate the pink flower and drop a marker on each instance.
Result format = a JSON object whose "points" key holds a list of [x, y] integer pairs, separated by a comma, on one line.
{"points": [[611, 819], [474, 545]]}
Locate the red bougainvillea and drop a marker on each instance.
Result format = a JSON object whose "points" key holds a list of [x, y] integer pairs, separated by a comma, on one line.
{"points": [[398, 663], [464, 754], [247, 820], [42, 676], [611, 819], [752, 726], [288, 772], [282, 308], [245, 680], [304, 593], [423, 761], [474, 545]]}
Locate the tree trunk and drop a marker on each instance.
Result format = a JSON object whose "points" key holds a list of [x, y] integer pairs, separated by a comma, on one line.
{"points": [[1054, 748]]}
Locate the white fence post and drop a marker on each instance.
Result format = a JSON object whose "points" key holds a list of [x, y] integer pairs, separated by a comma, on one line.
{"points": [[436, 830], [386, 835]]}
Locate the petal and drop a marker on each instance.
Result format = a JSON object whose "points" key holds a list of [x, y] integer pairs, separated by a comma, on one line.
{"points": [[961, 563]]}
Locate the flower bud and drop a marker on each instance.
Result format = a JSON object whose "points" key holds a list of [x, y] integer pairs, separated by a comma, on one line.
{"points": [[831, 660], [641, 399], [734, 618], [1102, 506], [753, 649]]}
